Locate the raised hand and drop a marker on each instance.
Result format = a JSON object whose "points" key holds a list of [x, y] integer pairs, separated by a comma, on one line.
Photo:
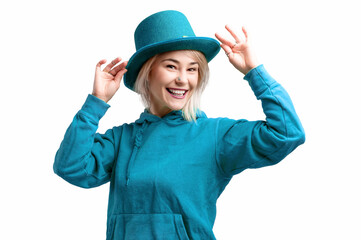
{"points": [[107, 81], [239, 51]]}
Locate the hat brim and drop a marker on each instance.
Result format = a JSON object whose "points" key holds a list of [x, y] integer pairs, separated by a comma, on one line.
{"points": [[208, 46]]}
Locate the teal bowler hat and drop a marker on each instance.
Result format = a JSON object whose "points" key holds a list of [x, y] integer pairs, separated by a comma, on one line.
{"points": [[163, 32]]}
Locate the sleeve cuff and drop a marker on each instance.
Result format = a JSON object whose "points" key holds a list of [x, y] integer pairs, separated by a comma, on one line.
{"points": [[95, 107], [259, 79]]}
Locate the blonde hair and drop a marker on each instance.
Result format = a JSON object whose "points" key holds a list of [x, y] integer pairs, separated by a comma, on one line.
{"points": [[190, 109]]}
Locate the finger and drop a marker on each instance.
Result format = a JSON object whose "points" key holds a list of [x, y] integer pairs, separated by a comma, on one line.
{"points": [[227, 50], [224, 40], [245, 33], [112, 64], [119, 67], [234, 35], [100, 63]]}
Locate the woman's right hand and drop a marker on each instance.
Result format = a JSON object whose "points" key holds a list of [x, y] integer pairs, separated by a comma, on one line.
{"points": [[107, 81]]}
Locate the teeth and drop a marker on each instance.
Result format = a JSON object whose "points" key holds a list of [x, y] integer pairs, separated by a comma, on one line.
{"points": [[177, 92]]}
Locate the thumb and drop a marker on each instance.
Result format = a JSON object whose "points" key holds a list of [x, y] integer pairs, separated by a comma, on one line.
{"points": [[119, 76]]}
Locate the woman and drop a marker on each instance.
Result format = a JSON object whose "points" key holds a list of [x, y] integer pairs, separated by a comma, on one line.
{"points": [[168, 168]]}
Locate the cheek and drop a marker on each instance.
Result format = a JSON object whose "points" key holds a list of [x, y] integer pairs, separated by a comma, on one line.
{"points": [[153, 81], [154, 88], [158, 78], [193, 82]]}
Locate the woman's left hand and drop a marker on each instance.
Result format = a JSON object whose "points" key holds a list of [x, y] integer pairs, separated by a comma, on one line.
{"points": [[239, 52]]}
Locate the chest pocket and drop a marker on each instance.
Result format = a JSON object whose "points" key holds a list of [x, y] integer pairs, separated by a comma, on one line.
{"points": [[146, 227]]}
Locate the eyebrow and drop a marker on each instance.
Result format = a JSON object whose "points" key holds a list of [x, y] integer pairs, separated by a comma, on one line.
{"points": [[176, 61]]}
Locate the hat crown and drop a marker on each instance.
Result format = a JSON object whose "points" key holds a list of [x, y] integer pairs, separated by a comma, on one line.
{"points": [[162, 26]]}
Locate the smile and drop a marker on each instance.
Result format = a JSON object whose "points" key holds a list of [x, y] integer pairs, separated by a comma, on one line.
{"points": [[177, 93]]}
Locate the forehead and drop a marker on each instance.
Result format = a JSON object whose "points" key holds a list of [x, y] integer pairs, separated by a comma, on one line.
{"points": [[182, 56]]}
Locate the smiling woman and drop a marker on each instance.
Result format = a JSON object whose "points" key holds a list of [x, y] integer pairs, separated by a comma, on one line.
{"points": [[184, 75], [168, 168]]}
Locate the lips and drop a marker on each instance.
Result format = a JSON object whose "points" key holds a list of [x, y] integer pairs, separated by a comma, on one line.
{"points": [[177, 93]]}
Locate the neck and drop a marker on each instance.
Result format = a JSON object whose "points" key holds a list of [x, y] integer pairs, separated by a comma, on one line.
{"points": [[159, 112]]}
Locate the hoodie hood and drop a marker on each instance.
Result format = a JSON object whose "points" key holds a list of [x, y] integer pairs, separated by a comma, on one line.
{"points": [[174, 117]]}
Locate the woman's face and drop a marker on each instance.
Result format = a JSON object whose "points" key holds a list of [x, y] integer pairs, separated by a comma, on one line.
{"points": [[172, 81]]}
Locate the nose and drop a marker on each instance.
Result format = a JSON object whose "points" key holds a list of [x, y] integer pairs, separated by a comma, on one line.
{"points": [[181, 78]]}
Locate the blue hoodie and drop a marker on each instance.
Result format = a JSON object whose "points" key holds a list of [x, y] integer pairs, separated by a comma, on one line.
{"points": [[166, 174]]}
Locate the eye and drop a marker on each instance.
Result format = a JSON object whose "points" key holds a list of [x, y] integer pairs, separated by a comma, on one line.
{"points": [[170, 66], [192, 69]]}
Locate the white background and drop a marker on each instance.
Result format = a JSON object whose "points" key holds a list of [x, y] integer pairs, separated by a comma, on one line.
{"points": [[48, 54]]}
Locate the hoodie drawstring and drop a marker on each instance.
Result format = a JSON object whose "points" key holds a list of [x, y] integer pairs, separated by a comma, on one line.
{"points": [[137, 143]]}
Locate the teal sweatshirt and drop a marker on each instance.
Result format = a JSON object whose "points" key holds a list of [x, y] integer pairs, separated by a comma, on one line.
{"points": [[166, 174]]}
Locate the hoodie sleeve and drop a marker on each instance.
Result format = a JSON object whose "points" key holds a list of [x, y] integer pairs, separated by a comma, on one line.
{"points": [[85, 157], [243, 144]]}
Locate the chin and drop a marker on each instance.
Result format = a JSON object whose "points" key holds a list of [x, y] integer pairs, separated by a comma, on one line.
{"points": [[176, 108], [177, 104]]}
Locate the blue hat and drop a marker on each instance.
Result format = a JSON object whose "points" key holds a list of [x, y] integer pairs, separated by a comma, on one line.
{"points": [[163, 32]]}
